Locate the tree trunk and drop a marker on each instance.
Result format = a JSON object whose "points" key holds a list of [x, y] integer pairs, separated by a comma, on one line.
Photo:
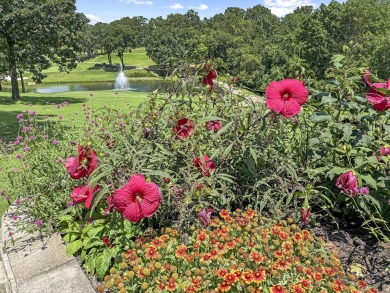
{"points": [[22, 81], [12, 69], [1, 88], [120, 55], [109, 58]]}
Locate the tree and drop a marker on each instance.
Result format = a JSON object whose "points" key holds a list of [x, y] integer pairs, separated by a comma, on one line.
{"points": [[37, 30]]}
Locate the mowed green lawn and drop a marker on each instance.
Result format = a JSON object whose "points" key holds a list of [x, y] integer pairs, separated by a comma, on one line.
{"points": [[45, 104], [87, 72]]}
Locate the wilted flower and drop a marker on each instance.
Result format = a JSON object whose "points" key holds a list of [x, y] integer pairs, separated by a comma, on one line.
{"points": [[208, 79], [213, 125], [183, 128], [82, 165], [137, 199], [205, 215], [204, 165], [347, 182], [286, 97], [305, 213]]}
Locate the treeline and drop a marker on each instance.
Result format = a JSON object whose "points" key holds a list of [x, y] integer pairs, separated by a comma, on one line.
{"points": [[254, 44]]}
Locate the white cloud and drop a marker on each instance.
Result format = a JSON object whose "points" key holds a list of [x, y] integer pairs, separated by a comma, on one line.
{"points": [[137, 2], [202, 7], [93, 18], [283, 7], [176, 6]]}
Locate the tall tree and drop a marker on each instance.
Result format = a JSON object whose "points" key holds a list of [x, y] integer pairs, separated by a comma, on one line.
{"points": [[38, 29]]}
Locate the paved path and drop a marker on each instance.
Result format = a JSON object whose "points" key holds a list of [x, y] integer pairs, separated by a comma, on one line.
{"points": [[37, 264]]}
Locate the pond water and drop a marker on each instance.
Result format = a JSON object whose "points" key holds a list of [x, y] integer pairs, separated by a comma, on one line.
{"points": [[136, 86]]}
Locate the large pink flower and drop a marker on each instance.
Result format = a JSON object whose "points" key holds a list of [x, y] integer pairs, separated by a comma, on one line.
{"points": [[208, 79], [205, 216], [137, 199], [213, 125], [368, 80], [347, 182], [183, 128], [82, 165], [204, 165], [380, 101], [84, 194], [286, 96]]}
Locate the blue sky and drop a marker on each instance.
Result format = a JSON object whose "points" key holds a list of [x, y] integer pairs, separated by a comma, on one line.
{"points": [[109, 10]]}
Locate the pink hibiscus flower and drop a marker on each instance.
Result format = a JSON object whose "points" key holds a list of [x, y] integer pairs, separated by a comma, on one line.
{"points": [[204, 165], [214, 125], [286, 97], [82, 165], [347, 182], [379, 100], [137, 199], [367, 78], [183, 128], [84, 194]]}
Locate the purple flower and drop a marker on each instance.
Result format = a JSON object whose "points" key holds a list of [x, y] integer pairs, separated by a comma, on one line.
{"points": [[364, 190], [59, 160], [16, 142], [17, 202], [1, 168], [38, 223], [27, 129], [84, 105], [58, 106], [60, 117], [45, 136], [6, 198], [19, 137], [121, 124], [70, 203], [55, 142], [19, 116], [26, 149], [46, 117], [19, 156], [14, 217], [205, 215], [91, 94], [305, 216]]}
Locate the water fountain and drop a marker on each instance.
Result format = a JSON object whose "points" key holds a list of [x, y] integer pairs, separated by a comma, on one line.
{"points": [[121, 81]]}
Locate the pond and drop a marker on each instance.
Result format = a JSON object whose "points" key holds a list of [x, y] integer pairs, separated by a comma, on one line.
{"points": [[134, 85]]}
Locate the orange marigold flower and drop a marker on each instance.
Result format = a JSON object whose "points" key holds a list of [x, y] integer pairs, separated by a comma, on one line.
{"points": [[248, 277], [230, 245], [318, 276], [258, 276], [228, 219], [238, 274], [214, 254], [338, 285], [172, 286], [275, 230], [256, 256], [190, 258], [305, 283], [224, 286], [361, 284], [230, 278], [278, 253], [205, 258], [221, 248], [161, 285], [288, 246], [282, 265], [283, 235], [151, 252], [196, 281], [201, 237], [329, 271], [297, 289], [224, 213], [309, 272], [222, 273], [156, 242], [191, 289], [297, 237], [278, 289], [181, 251], [164, 237], [195, 246], [306, 234]]}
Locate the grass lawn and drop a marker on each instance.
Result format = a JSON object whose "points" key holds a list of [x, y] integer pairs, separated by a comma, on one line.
{"points": [[9, 125]]}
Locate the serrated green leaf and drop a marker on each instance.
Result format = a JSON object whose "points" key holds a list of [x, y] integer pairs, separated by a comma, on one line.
{"points": [[102, 263], [328, 100], [320, 118]]}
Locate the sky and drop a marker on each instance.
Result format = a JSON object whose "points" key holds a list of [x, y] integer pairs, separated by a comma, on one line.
{"points": [[109, 10]]}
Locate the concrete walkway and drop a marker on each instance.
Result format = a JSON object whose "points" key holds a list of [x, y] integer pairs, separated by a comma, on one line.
{"points": [[37, 264]]}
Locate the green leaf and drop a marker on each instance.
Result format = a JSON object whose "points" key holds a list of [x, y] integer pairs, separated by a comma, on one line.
{"points": [[223, 129], [70, 237], [253, 154], [369, 180], [227, 150], [314, 141], [102, 263], [73, 247], [328, 100], [320, 118]]}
